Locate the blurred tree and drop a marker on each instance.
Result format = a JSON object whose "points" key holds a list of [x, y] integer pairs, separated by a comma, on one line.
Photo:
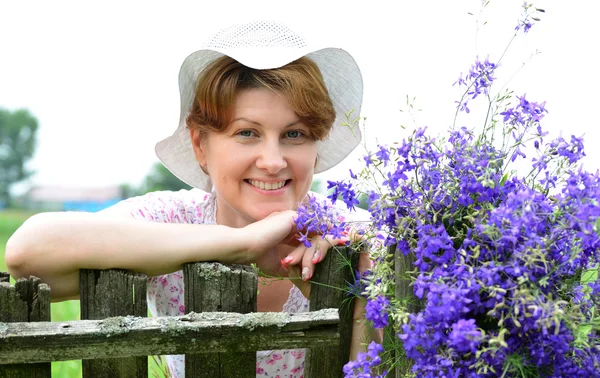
{"points": [[317, 186], [128, 191], [160, 178], [363, 200], [17, 144]]}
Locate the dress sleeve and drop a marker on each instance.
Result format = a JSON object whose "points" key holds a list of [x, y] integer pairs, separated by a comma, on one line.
{"points": [[184, 206], [165, 292]]}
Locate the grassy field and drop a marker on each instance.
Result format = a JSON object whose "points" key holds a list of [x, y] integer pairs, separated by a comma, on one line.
{"points": [[10, 220]]}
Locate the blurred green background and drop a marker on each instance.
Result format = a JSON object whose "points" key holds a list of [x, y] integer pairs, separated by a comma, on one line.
{"points": [[10, 220]]}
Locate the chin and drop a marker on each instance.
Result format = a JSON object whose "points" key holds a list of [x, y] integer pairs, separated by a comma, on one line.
{"points": [[262, 212]]}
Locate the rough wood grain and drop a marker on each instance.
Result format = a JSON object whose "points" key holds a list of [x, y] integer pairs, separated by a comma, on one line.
{"points": [[209, 332], [404, 294], [108, 293], [217, 287], [330, 280], [27, 301]]}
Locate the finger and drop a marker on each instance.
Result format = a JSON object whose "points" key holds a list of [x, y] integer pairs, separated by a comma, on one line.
{"points": [[316, 254], [307, 264], [299, 253], [294, 257], [320, 250], [297, 281]]}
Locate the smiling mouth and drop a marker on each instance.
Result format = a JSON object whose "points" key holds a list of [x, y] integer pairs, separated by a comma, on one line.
{"points": [[268, 185]]}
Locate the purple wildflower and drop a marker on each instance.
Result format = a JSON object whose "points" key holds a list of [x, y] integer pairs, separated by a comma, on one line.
{"points": [[383, 154], [528, 17], [365, 363], [377, 311], [465, 337], [344, 190], [478, 81], [317, 217]]}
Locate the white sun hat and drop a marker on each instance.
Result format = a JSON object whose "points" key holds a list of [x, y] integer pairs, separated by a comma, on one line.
{"points": [[267, 45]]}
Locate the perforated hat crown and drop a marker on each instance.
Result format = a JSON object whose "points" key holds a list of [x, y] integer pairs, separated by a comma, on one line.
{"points": [[267, 45]]}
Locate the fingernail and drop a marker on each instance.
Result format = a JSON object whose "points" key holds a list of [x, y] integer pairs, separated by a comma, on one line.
{"points": [[316, 257], [283, 264], [287, 260], [305, 274]]}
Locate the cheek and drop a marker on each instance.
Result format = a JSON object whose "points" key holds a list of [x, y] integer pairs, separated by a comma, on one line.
{"points": [[305, 169]]}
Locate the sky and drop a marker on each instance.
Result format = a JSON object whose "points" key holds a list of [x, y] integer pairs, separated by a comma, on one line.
{"points": [[101, 77]]}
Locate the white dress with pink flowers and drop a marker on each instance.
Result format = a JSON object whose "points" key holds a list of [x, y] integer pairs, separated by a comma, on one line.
{"points": [[165, 293]]}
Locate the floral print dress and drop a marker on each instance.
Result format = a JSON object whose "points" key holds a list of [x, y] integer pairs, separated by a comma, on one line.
{"points": [[165, 293]]}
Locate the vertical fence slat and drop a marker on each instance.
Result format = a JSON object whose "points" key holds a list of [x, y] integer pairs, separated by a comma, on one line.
{"points": [[331, 277], [216, 287], [108, 293], [404, 293], [4, 277], [27, 301]]}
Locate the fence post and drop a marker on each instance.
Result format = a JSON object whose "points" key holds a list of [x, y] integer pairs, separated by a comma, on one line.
{"points": [[216, 287], [329, 282], [404, 293], [27, 301], [108, 293]]}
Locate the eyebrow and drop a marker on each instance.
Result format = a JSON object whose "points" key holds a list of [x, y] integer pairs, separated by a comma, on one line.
{"points": [[259, 124]]}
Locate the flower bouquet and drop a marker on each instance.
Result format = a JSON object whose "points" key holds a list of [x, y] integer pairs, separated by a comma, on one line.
{"points": [[504, 268]]}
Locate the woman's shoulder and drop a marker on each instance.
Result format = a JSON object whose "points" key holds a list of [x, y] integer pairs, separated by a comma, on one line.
{"points": [[182, 206]]}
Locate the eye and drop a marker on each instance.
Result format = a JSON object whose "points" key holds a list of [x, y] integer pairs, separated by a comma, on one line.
{"points": [[294, 134], [246, 133]]}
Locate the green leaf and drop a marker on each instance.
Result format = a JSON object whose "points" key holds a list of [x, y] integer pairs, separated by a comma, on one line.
{"points": [[582, 332], [589, 276]]}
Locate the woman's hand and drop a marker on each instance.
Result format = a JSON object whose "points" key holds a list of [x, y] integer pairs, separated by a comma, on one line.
{"points": [[302, 260], [267, 238], [273, 244]]}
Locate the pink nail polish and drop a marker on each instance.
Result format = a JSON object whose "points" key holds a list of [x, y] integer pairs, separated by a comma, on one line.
{"points": [[316, 257], [306, 274]]}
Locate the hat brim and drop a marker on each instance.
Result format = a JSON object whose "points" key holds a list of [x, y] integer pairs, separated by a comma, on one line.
{"points": [[340, 74]]}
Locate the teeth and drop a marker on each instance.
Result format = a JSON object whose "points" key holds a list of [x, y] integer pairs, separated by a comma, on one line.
{"points": [[267, 185]]}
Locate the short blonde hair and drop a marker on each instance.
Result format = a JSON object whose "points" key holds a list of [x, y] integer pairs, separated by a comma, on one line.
{"points": [[300, 82]]}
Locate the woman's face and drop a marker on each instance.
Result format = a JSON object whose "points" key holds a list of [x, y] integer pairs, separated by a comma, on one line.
{"points": [[263, 163]]}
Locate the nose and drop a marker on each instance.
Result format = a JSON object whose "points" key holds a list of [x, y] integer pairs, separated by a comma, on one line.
{"points": [[271, 158]]}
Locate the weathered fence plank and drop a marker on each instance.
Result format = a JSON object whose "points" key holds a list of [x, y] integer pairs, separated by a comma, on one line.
{"points": [[108, 293], [27, 301], [330, 280], [207, 332], [108, 339], [405, 294], [216, 287]]}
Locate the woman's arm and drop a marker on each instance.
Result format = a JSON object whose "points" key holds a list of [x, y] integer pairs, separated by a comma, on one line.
{"points": [[54, 246], [362, 332]]}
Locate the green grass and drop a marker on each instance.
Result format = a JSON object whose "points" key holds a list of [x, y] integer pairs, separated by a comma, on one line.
{"points": [[10, 220]]}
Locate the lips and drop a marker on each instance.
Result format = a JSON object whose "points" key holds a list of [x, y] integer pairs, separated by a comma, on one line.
{"points": [[267, 185]]}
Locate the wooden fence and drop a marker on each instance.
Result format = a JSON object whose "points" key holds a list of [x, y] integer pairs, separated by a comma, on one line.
{"points": [[221, 326]]}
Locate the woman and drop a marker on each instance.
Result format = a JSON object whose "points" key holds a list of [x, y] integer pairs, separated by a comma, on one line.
{"points": [[260, 114]]}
